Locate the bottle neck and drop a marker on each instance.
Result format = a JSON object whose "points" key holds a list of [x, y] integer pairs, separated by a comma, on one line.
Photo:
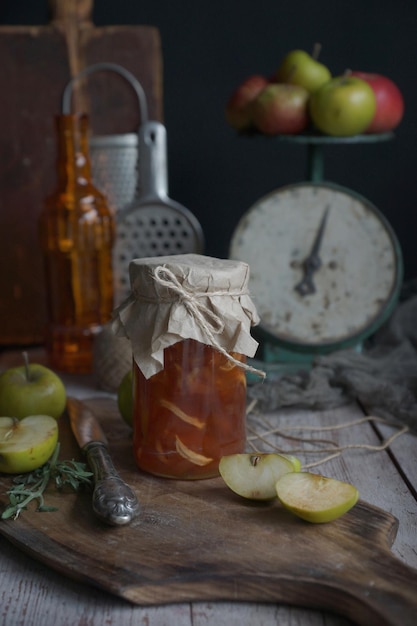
{"points": [[73, 161]]}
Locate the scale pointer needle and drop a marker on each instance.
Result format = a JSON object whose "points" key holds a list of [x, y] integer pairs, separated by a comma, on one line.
{"points": [[313, 261]]}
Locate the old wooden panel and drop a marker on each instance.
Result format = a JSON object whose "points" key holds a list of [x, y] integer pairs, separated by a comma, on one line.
{"points": [[36, 64]]}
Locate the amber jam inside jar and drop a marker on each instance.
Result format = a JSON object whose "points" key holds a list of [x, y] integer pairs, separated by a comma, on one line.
{"points": [[191, 413]]}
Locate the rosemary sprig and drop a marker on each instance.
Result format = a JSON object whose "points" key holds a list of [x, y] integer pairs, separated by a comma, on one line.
{"points": [[31, 486]]}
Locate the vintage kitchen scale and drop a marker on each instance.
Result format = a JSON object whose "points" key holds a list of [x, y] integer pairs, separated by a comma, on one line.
{"points": [[326, 266]]}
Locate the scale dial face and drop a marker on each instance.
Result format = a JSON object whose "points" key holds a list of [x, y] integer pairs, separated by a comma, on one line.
{"points": [[359, 273]]}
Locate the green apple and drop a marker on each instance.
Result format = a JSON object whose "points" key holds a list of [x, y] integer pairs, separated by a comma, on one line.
{"points": [[125, 398], [26, 444], [31, 389], [315, 498], [300, 68], [254, 475], [342, 107]]}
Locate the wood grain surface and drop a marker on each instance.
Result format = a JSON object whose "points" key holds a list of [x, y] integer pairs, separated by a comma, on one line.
{"points": [[196, 541], [36, 64]]}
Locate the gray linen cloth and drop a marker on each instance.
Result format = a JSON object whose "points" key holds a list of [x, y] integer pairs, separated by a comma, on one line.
{"points": [[382, 377]]}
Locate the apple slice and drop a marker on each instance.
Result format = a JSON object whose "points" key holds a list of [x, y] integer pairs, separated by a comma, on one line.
{"points": [[315, 498], [254, 475], [26, 444]]}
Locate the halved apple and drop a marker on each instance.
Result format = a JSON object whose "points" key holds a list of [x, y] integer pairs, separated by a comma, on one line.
{"points": [[315, 498], [254, 475], [26, 444]]}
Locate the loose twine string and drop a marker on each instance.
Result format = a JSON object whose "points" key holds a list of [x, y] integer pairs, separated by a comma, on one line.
{"points": [[208, 321], [326, 445]]}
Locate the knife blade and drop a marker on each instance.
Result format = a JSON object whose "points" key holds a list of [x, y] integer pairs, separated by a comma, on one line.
{"points": [[113, 501]]}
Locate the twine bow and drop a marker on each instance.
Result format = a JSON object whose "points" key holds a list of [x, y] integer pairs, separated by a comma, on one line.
{"points": [[206, 319]]}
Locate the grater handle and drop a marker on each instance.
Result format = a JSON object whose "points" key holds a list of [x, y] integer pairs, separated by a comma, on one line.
{"points": [[153, 169], [113, 67]]}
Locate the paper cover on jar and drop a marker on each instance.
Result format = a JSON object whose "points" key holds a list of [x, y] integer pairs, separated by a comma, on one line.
{"points": [[187, 296]]}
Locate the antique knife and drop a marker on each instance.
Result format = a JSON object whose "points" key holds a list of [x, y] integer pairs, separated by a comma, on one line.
{"points": [[114, 502]]}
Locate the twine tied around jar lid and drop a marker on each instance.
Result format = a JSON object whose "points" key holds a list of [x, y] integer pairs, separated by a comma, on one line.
{"points": [[210, 322], [188, 296]]}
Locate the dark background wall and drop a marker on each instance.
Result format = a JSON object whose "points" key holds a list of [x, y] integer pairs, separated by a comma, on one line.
{"points": [[208, 48]]}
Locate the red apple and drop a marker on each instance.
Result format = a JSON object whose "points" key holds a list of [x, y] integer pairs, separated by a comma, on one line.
{"points": [[238, 114], [281, 109], [389, 102]]}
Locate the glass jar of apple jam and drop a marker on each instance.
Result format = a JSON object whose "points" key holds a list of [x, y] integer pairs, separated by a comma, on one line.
{"points": [[188, 319]]}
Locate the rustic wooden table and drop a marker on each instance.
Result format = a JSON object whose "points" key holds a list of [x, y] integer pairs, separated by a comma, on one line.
{"points": [[31, 594]]}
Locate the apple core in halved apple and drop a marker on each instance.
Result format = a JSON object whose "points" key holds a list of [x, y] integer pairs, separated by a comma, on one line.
{"points": [[254, 475], [26, 444]]}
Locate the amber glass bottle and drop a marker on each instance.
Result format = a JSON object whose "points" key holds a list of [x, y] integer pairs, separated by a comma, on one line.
{"points": [[77, 232]]}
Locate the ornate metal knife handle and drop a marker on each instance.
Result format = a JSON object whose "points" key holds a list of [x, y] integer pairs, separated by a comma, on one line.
{"points": [[114, 502]]}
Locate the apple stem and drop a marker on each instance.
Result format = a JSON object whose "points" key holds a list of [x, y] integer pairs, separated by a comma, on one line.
{"points": [[9, 434], [255, 459], [316, 51], [26, 362]]}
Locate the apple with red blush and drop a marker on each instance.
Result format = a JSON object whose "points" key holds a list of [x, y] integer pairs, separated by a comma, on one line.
{"points": [[281, 109], [238, 112], [389, 102]]}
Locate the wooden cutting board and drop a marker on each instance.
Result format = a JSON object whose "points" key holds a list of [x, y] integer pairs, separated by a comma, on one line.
{"points": [[196, 540], [36, 64]]}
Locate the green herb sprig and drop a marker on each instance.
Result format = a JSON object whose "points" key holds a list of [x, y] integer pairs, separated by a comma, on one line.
{"points": [[31, 486]]}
